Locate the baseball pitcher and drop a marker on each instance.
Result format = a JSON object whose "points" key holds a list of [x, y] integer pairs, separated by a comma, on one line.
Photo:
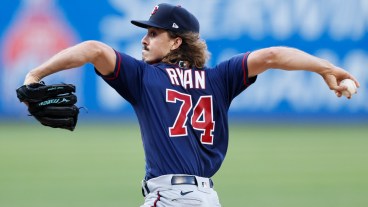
{"points": [[181, 104]]}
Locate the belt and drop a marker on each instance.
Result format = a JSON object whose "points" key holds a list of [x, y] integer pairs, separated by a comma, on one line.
{"points": [[186, 180], [180, 180]]}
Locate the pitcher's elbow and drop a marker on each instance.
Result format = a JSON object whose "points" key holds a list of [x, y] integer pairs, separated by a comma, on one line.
{"points": [[93, 48], [271, 56]]}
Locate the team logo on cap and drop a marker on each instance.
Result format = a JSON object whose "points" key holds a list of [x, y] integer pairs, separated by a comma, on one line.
{"points": [[154, 10], [175, 26]]}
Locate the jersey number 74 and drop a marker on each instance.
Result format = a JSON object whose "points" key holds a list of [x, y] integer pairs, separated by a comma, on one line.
{"points": [[202, 116]]}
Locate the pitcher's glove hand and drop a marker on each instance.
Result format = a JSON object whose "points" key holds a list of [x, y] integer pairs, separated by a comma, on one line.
{"points": [[52, 105]]}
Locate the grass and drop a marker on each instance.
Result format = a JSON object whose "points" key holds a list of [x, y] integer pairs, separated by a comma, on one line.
{"points": [[102, 165]]}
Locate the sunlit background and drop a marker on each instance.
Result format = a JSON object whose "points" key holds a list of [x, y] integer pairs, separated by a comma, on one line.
{"points": [[292, 142]]}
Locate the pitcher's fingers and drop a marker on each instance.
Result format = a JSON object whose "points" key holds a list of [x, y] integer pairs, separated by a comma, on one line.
{"points": [[338, 93], [332, 83], [355, 81]]}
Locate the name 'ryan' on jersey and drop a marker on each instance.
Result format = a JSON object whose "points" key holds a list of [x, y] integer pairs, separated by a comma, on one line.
{"points": [[182, 113]]}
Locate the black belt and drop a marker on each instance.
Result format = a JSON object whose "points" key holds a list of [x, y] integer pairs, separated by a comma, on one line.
{"points": [[180, 180]]}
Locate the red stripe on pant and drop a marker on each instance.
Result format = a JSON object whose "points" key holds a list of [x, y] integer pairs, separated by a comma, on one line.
{"points": [[157, 200]]}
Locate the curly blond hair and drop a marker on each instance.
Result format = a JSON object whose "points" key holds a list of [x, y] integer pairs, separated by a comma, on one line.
{"points": [[192, 51]]}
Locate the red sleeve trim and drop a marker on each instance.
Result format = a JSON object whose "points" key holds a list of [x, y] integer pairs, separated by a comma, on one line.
{"points": [[117, 67], [245, 68]]}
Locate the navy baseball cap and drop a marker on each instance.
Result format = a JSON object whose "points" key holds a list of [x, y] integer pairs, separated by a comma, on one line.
{"points": [[172, 18]]}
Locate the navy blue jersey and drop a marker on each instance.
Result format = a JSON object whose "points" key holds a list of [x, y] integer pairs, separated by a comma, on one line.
{"points": [[182, 113]]}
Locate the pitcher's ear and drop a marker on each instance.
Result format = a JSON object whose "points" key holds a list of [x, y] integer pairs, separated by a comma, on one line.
{"points": [[177, 42]]}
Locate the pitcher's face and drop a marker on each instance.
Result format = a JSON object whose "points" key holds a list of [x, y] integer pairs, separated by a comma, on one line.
{"points": [[156, 44]]}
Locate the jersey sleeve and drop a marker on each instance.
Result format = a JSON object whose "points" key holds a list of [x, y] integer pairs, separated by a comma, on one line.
{"points": [[234, 73], [127, 77]]}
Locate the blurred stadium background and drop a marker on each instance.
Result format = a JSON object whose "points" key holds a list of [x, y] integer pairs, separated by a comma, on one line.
{"points": [[293, 143]]}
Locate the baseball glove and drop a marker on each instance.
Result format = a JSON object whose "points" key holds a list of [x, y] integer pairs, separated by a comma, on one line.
{"points": [[52, 105]]}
